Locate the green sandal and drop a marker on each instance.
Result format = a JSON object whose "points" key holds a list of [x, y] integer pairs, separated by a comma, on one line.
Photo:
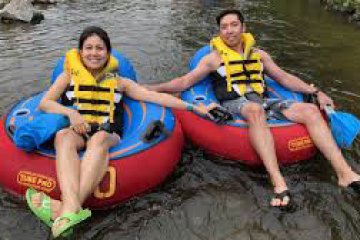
{"points": [[43, 212], [74, 219]]}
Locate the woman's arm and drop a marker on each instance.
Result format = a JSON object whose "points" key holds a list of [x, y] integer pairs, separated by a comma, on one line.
{"points": [[138, 92], [49, 101], [49, 104]]}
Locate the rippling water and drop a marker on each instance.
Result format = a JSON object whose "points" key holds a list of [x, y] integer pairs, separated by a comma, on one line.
{"points": [[206, 197]]}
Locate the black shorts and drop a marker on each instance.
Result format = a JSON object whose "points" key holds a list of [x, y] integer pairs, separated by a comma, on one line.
{"points": [[95, 127]]}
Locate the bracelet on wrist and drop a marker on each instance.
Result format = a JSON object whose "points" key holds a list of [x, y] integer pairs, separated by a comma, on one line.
{"points": [[316, 91], [190, 107]]}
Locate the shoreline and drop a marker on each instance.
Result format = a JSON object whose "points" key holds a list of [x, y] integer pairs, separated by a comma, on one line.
{"points": [[350, 8]]}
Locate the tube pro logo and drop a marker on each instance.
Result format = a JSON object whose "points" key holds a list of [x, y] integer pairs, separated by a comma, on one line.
{"points": [[300, 144], [36, 181]]}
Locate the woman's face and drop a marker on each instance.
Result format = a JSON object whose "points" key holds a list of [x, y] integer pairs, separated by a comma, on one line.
{"points": [[94, 53]]}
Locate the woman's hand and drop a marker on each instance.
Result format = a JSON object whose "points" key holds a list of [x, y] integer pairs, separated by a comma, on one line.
{"points": [[201, 109], [77, 123], [324, 100], [204, 110], [212, 106]]}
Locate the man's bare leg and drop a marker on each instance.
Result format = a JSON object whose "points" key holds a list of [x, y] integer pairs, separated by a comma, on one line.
{"points": [[310, 116], [262, 141]]}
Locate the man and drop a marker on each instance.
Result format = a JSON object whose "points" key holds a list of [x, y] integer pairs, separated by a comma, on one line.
{"points": [[238, 68]]}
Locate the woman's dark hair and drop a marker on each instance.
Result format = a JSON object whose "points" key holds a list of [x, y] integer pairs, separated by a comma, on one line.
{"points": [[93, 30], [227, 12]]}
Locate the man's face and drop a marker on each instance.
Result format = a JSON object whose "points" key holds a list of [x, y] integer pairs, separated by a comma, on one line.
{"points": [[231, 30]]}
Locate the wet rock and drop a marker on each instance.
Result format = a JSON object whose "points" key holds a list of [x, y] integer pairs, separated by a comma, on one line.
{"points": [[4, 2], [21, 10], [44, 1]]}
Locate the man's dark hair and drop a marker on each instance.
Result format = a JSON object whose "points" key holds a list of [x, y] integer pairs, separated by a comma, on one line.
{"points": [[91, 31], [227, 12]]}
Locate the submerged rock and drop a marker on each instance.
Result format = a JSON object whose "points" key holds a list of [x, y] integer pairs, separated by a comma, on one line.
{"points": [[21, 10]]}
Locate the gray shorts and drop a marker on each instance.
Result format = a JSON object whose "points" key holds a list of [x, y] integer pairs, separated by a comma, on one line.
{"points": [[272, 106]]}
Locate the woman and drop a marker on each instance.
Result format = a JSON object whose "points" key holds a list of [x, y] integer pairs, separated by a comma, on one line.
{"points": [[88, 83]]}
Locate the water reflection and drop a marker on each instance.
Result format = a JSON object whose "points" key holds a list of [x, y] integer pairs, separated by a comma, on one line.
{"points": [[206, 197]]}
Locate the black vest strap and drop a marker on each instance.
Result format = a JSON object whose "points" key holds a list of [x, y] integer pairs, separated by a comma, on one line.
{"points": [[246, 61], [246, 73], [91, 101], [93, 113], [246, 81], [92, 89]]}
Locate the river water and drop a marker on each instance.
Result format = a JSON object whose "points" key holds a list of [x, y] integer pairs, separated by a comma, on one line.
{"points": [[206, 197]]}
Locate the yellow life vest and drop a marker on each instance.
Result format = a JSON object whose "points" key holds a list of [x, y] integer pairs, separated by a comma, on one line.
{"points": [[95, 100], [242, 70]]}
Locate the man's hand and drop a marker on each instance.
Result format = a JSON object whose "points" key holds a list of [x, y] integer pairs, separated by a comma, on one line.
{"points": [[201, 109]]}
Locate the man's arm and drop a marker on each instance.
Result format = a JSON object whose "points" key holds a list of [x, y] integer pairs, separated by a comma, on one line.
{"points": [[284, 78], [290, 81], [205, 66]]}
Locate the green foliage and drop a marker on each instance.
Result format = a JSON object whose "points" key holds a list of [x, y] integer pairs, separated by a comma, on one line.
{"points": [[351, 7]]}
